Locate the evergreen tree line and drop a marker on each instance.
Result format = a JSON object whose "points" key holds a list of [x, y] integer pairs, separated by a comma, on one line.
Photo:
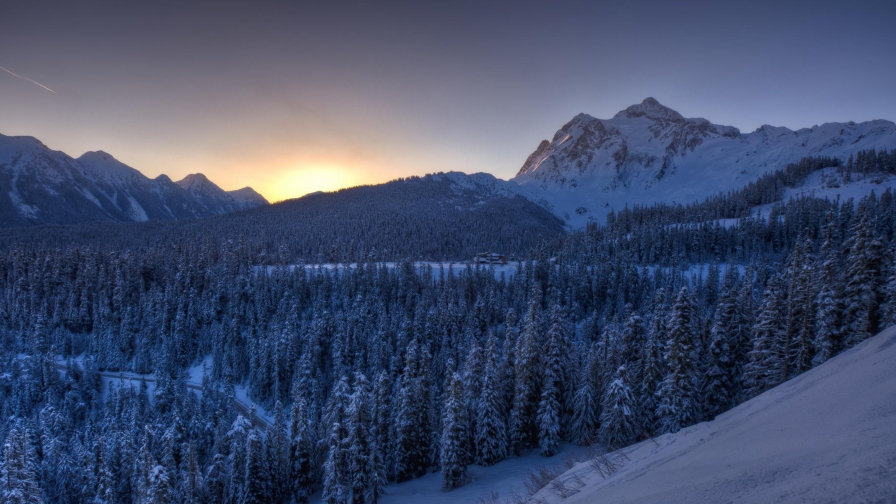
{"points": [[377, 373]]}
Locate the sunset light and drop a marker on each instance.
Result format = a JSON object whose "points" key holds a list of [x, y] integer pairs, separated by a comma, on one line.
{"points": [[308, 179], [457, 252]]}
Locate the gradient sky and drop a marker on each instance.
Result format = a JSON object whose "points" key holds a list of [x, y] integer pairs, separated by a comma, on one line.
{"points": [[292, 97]]}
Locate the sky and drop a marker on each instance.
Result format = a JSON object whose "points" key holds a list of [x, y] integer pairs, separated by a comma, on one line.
{"points": [[292, 97]]}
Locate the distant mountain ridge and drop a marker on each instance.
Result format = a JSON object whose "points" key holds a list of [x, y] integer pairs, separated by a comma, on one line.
{"points": [[42, 186], [650, 153]]}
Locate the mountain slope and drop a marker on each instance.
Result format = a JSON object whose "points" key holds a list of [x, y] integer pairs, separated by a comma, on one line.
{"points": [[828, 435], [445, 216], [439, 217], [215, 200], [42, 186], [650, 153]]}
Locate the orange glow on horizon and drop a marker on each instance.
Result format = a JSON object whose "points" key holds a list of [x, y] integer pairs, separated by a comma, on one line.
{"points": [[294, 181]]}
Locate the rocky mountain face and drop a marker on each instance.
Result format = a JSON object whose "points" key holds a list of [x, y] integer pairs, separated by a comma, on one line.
{"points": [[217, 201], [42, 186], [650, 153]]}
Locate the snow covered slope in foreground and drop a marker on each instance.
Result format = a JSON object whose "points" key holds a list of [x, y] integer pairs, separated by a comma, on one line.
{"points": [[828, 435]]}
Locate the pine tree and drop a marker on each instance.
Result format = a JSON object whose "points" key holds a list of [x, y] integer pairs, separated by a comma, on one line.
{"points": [[741, 333], [490, 431], [828, 317], [801, 308], [277, 447], [412, 425], [586, 408], [454, 469], [472, 377], [159, 485], [679, 404], [653, 371], [18, 470], [523, 426], [634, 335], [718, 386], [237, 436], [888, 310], [361, 443], [382, 404], [257, 489], [553, 385], [619, 416], [767, 366], [860, 313], [300, 452], [336, 468]]}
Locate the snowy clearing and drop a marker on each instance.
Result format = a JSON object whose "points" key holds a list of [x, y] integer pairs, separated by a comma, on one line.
{"points": [[436, 268]]}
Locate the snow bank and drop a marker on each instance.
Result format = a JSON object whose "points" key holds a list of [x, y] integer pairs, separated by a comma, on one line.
{"points": [[828, 435]]}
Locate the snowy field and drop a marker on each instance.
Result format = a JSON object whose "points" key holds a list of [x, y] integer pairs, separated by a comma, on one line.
{"points": [[826, 436], [436, 268]]}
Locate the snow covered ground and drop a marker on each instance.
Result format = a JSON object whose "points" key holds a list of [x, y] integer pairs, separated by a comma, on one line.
{"points": [[828, 435], [827, 184], [503, 478]]}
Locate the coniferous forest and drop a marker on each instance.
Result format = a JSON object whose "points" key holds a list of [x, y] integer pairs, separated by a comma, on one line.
{"points": [[341, 378]]}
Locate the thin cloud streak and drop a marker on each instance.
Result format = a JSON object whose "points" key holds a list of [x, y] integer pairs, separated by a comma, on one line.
{"points": [[27, 79]]}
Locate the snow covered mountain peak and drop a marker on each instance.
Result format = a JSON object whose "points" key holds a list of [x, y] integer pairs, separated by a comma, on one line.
{"points": [[650, 153], [101, 164], [248, 197], [651, 109], [194, 180]]}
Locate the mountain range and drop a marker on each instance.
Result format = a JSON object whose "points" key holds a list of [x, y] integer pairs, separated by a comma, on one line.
{"points": [[650, 153], [42, 186], [647, 153]]}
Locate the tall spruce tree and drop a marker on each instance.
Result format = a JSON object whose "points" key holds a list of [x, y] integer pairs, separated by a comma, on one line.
{"points": [[524, 411], [553, 385], [337, 466], [767, 365], [586, 406], [860, 295], [801, 308], [18, 470], [829, 312], [452, 458], [718, 385], [491, 432], [679, 404], [619, 416]]}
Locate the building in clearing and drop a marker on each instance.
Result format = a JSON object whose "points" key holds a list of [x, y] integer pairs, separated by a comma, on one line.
{"points": [[489, 258]]}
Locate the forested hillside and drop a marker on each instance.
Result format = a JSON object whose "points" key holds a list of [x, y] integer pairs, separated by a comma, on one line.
{"points": [[377, 373], [436, 217]]}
